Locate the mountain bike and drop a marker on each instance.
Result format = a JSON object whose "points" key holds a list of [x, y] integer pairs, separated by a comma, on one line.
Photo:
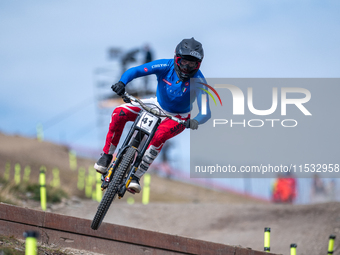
{"points": [[121, 171]]}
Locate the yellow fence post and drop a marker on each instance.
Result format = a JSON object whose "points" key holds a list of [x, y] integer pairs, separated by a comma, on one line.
{"points": [[98, 187], [42, 180], [27, 173], [130, 200], [267, 239], [73, 160], [92, 172], [31, 242], [7, 171], [56, 178], [81, 178], [146, 189], [331, 244], [293, 249], [17, 170], [89, 183]]}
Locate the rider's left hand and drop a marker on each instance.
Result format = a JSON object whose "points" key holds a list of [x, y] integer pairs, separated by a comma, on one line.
{"points": [[119, 88], [191, 123]]}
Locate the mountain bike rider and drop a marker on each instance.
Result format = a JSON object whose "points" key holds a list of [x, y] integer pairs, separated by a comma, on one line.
{"points": [[173, 96]]}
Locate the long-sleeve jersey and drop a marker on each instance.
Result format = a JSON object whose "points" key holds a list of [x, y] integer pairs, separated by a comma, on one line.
{"points": [[173, 95]]}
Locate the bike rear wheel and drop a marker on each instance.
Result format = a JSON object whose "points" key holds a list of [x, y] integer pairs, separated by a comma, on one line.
{"points": [[112, 189]]}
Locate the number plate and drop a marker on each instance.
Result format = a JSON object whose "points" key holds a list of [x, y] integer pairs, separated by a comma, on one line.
{"points": [[147, 122]]}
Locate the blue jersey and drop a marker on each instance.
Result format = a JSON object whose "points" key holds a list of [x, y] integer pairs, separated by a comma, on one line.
{"points": [[173, 95]]}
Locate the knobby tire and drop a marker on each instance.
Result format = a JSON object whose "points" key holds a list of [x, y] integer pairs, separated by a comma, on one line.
{"points": [[112, 189]]}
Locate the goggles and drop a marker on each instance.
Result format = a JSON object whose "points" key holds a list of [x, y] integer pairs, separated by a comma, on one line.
{"points": [[187, 66]]}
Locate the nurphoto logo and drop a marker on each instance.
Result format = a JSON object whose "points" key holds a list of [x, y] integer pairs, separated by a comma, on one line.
{"points": [[238, 104]]}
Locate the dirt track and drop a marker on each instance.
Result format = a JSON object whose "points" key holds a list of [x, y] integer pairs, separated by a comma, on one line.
{"points": [[228, 218], [234, 224], [61, 231]]}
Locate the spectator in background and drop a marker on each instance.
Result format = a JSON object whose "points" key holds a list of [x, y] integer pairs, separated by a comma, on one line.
{"points": [[143, 55], [148, 54], [129, 57], [284, 190], [331, 190], [318, 192]]}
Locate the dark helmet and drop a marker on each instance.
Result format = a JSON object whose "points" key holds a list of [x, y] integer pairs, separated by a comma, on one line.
{"points": [[188, 57]]}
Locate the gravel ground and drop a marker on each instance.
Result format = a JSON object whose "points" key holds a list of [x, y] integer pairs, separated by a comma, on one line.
{"points": [[309, 226], [186, 210]]}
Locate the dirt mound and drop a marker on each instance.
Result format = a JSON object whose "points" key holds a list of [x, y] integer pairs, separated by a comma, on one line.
{"points": [[187, 210]]}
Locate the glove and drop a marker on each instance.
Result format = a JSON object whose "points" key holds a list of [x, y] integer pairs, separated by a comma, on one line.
{"points": [[119, 88], [191, 123]]}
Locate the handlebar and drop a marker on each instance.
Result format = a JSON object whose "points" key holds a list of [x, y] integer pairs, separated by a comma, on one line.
{"points": [[152, 111]]}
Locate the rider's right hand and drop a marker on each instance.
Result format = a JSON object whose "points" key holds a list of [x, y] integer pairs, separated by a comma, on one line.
{"points": [[119, 88], [191, 123]]}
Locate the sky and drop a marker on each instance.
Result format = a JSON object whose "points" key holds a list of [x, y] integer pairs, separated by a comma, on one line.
{"points": [[49, 51]]}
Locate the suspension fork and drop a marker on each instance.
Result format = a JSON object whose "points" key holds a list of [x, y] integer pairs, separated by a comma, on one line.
{"points": [[125, 145], [139, 157]]}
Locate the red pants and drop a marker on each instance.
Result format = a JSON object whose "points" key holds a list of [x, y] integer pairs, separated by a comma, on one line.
{"points": [[128, 112]]}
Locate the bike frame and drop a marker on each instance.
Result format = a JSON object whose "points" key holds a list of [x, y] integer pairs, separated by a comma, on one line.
{"points": [[129, 156], [146, 124]]}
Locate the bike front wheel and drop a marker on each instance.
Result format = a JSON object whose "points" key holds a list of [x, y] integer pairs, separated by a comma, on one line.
{"points": [[112, 189]]}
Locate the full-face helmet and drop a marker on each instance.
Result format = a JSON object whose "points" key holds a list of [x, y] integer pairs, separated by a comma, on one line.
{"points": [[188, 58]]}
